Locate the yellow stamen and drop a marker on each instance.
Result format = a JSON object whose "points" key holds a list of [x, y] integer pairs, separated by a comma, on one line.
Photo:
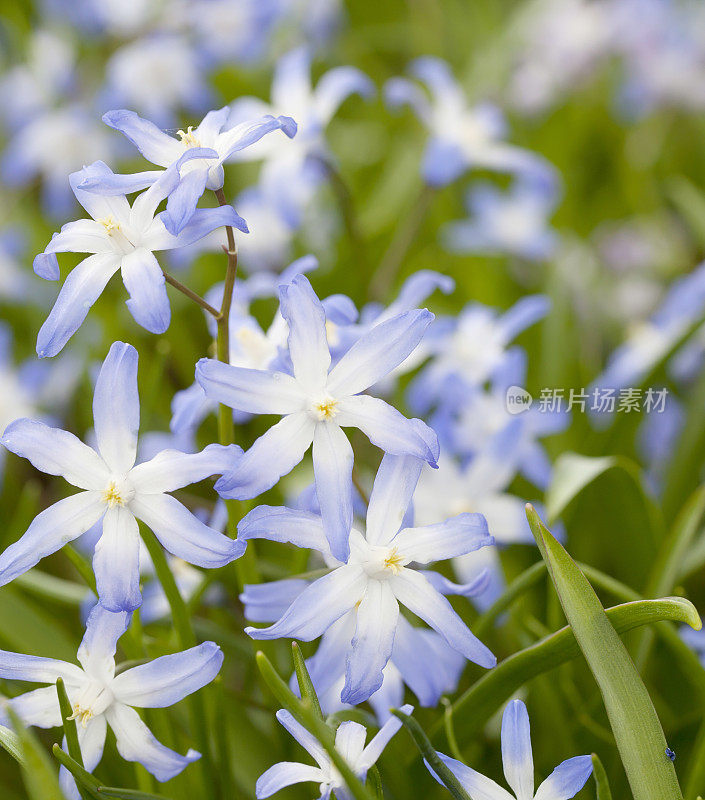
{"points": [[110, 225], [326, 409], [83, 715], [188, 137], [393, 561], [112, 496]]}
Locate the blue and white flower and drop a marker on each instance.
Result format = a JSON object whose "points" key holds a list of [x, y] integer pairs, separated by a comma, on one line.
{"points": [[566, 780], [119, 237], [116, 491], [316, 402], [461, 137], [349, 742], [101, 698], [376, 577]]}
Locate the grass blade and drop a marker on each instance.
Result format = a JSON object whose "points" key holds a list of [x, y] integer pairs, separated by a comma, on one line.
{"points": [[306, 687], [602, 786], [40, 779]]}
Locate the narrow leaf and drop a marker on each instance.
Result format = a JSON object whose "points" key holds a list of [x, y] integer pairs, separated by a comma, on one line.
{"points": [[83, 778], [636, 727], [429, 754], [602, 786], [10, 742], [40, 779], [306, 687], [128, 794]]}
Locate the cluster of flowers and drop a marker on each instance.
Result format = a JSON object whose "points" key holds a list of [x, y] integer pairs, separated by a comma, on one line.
{"points": [[321, 367], [657, 42]]}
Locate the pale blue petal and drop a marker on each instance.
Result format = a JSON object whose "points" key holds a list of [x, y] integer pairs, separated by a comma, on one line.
{"points": [[135, 742], [50, 531], [317, 607], [332, 467], [279, 524], [443, 162], [517, 757], [155, 145], [307, 740], [20, 667], [372, 643], [416, 593], [168, 679], [116, 408], [388, 429], [56, 452], [172, 469], [274, 454], [381, 739], [81, 289], [266, 602], [285, 773], [116, 561], [476, 785], [183, 534], [391, 495], [455, 537], [96, 653], [378, 352], [251, 390], [145, 283], [337, 85], [566, 780], [308, 343]]}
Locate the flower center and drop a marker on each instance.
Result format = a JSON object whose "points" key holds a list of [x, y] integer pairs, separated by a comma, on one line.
{"points": [[393, 562], [117, 493], [188, 137], [325, 408], [111, 226], [83, 715]]}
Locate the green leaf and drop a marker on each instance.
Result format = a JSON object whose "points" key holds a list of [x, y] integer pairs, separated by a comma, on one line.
{"points": [[49, 587], [602, 786], [427, 750], [128, 794], [84, 780], [306, 687], [636, 727], [40, 779], [26, 628], [316, 726], [475, 707], [10, 742]]}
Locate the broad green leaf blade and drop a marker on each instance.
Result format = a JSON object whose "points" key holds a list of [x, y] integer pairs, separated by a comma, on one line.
{"points": [[427, 750], [40, 778], [477, 705], [602, 786], [636, 727]]}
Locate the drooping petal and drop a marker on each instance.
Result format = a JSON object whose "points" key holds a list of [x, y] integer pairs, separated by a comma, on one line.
{"points": [[135, 742], [318, 607], [350, 741], [145, 283], [183, 534], [416, 593], [81, 289], [307, 740], [274, 454], [308, 343], [332, 466], [251, 390], [202, 222], [56, 452], [20, 667], [168, 679], [455, 537], [172, 469], [388, 428], [39, 707], [155, 145], [116, 561], [372, 643], [285, 773], [337, 85], [378, 352], [476, 785], [116, 407], [247, 133], [380, 740], [566, 780], [50, 531], [110, 183], [279, 524], [96, 653], [181, 205], [517, 757], [391, 495]]}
